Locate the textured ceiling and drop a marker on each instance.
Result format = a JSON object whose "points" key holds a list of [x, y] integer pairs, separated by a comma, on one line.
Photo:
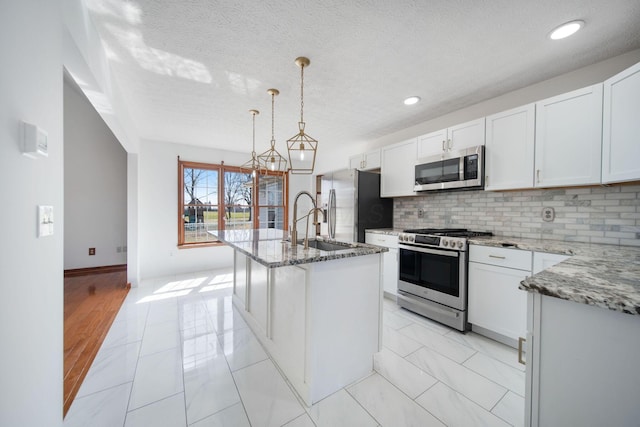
{"points": [[190, 70]]}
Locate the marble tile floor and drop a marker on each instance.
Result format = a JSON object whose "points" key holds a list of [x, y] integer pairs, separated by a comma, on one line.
{"points": [[179, 354]]}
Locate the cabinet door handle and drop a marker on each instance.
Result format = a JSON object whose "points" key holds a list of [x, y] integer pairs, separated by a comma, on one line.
{"points": [[486, 180], [443, 149], [521, 341], [449, 144], [497, 256], [538, 176]]}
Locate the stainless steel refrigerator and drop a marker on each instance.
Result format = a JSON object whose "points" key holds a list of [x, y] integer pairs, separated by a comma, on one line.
{"points": [[351, 202]]}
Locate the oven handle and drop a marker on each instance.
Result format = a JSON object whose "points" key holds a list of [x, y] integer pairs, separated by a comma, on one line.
{"points": [[454, 254]]}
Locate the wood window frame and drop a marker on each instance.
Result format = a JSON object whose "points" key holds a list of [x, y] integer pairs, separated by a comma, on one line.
{"points": [[221, 169]]}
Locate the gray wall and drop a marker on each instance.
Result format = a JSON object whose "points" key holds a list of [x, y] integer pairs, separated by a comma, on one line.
{"points": [[588, 214]]}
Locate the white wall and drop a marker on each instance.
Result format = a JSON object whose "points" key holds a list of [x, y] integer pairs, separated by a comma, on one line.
{"points": [[31, 274], [158, 210], [95, 187]]}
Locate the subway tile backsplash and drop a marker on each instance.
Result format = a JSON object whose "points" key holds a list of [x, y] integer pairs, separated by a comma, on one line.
{"points": [[588, 214]]}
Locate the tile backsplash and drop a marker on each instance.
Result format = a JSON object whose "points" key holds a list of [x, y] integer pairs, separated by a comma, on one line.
{"points": [[587, 214]]}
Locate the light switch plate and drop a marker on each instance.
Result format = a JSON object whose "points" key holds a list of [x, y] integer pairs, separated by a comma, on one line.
{"points": [[45, 221]]}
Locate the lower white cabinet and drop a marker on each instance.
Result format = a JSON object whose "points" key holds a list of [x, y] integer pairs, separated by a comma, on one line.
{"points": [[389, 260], [543, 260], [582, 365], [240, 269], [495, 303], [320, 321]]}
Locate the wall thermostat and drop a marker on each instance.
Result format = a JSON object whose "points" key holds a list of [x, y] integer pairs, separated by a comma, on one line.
{"points": [[34, 141]]}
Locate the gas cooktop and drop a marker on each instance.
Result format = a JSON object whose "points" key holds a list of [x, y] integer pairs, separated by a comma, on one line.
{"points": [[449, 232]]}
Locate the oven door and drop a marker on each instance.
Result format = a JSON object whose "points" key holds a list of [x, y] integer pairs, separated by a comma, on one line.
{"points": [[434, 274]]}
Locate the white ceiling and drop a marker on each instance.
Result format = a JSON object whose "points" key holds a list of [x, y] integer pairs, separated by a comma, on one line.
{"points": [[190, 70]]}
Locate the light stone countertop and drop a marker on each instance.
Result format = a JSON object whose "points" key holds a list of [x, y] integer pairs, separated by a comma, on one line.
{"points": [[270, 248], [388, 231], [606, 276]]}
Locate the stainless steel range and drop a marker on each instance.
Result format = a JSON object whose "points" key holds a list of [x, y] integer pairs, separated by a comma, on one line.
{"points": [[433, 273]]}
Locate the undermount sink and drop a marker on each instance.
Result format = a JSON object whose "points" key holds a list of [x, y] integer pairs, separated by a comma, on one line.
{"points": [[327, 246]]}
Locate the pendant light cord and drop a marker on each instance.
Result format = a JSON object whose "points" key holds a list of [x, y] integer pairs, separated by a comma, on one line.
{"points": [[273, 113], [301, 93]]}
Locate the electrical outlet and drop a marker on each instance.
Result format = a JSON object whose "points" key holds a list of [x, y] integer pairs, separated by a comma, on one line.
{"points": [[92, 251], [119, 249], [548, 214], [124, 249], [420, 213]]}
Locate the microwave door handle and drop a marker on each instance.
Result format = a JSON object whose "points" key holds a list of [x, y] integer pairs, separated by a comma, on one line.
{"points": [[461, 169]]}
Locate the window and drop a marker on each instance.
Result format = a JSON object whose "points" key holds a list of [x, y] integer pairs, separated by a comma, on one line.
{"points": [[220, 197]]}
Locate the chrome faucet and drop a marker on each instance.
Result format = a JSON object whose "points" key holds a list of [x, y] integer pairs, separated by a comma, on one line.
{"points": [[294, 228]]}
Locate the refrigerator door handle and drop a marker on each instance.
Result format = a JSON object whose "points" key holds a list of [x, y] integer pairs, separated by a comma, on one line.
{"points": [[332, 214]]}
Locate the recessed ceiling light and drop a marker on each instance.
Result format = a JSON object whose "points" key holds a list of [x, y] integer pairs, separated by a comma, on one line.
{"points": [[412, 100], [565, 30]]}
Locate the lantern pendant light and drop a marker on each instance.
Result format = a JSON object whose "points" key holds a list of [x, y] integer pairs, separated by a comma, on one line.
{"points": [[302, 147], [271, 159], [253, 165]]}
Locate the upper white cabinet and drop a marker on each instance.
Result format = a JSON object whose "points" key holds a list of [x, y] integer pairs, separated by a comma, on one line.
{"points": [[569, 138], [397, 169], [455, 138], [366, 161], [509, 149], [621, 127]]}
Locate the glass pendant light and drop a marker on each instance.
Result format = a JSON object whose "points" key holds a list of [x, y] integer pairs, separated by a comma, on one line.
{"points": [[302, 147], [271, 159], [253, 165]]}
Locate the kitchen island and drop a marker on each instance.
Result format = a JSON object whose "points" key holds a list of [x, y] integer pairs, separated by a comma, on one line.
{"points": [[317, 312]]}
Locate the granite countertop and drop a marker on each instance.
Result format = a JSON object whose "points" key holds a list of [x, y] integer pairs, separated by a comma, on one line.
{"points": [[388, 231], [606, 276], [270, 248]]}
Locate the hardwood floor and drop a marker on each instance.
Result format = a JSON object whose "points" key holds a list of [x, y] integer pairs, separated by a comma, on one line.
{"points": [[91, 302]]}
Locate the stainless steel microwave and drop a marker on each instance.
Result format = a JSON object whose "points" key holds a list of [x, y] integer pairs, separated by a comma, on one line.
{"points": [[462, 169]]}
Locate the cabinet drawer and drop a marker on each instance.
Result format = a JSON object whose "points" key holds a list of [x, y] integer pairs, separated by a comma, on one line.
{"points": [[511, 258], [386, 240]]}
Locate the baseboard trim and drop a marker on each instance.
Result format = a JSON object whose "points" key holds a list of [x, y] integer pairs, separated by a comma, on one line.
{"points": [[95, 270]]}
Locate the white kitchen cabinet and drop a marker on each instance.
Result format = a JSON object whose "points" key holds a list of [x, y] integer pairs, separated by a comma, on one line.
{"points": [[302, 313], [366, 161], [568, 141], [240, 269], [287, 319], [510, 149], [621, 127], [543, 260], [389, 260], [455, 138], [496, 305], [397, 169], [582, 367], [257, 293]]}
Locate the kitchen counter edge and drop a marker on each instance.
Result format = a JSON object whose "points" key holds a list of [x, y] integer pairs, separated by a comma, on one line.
{"points": [[606, 276], [270, 248]]}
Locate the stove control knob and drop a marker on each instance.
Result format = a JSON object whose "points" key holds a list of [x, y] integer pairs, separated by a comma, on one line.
{"points": [[412, 238], [445, 243], [460, 245]]}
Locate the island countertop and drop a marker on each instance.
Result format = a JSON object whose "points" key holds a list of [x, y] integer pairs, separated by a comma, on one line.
{"points": [[606, 276], [271, 248]]}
